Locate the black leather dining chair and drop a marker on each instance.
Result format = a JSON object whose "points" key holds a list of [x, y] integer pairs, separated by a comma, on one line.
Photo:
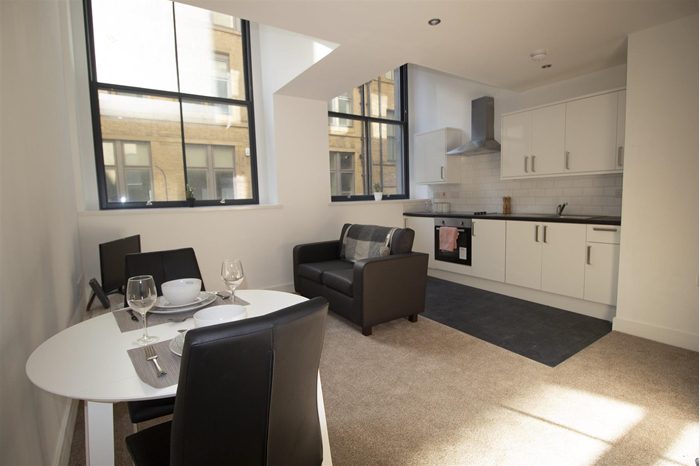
{"points": [[163, 266], [247, 395]]}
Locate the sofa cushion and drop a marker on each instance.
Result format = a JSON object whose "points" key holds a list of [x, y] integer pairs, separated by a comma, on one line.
{"points": [[339, 280], [365, 241], [314, 270]]}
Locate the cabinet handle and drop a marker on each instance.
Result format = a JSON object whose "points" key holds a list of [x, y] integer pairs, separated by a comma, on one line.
{"points": [[566, 160], [620, 155], [588, 255], [442, 173], [526, 164], [532, 164], [537, 233], [544, 234], [604, 229]]}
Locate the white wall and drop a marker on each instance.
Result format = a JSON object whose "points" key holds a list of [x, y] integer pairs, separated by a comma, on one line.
{"points": [[438, 100], [658, 287], [39, 258]]}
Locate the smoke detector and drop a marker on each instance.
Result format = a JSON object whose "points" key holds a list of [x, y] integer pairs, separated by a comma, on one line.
{"points": [[538, 55]]}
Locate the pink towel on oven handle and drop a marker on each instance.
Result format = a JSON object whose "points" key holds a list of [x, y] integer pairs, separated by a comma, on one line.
{"points": [[448, 238]]}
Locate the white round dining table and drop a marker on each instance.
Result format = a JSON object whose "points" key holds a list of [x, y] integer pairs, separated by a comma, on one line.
{"points": [[89, 361]]}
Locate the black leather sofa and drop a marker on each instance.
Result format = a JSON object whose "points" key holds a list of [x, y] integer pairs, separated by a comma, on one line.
{"points": [[366, 291]]}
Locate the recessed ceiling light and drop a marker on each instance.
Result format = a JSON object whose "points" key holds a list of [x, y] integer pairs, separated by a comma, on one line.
{"points": [[434, 21], [538, 55], [548, 65]]}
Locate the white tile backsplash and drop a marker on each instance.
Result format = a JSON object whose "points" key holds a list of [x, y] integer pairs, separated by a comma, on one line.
{"points": [[483, 189]]}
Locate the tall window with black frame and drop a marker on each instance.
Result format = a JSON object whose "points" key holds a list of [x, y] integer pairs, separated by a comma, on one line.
{"points": [[368, 145], [172, 104]]}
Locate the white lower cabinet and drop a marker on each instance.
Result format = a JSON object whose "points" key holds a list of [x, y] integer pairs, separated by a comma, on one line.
{"points": [[488, 249], [546, 256], [523, 254], [424, 239], [576, 260], [602, 263]]}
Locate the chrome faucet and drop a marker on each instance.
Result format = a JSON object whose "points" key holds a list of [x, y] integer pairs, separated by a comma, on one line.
{"points": [[560, 208]]}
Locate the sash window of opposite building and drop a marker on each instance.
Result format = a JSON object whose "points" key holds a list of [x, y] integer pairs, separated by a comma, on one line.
{"points": [[170, 81], [368, 130]]}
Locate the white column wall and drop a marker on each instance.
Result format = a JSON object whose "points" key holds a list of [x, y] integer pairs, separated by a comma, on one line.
{"points": [[658, 285], [40, 273]]}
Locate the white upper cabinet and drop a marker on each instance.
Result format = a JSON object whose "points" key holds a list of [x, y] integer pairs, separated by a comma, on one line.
{"points": [[516, 133], [591, 134], [432, 165], [580, 136], [547, 148], [621, 109]]}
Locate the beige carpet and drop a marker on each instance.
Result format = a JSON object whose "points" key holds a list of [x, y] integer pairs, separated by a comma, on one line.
{"points": [[425, 394]]}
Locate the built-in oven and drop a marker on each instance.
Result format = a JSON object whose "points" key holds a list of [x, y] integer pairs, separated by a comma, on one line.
{"points": [[453, 240]]}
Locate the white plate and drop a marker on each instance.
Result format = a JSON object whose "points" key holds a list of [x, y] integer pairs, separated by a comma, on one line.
{"points": [[163, 303], [204, 299], [177, 344]]}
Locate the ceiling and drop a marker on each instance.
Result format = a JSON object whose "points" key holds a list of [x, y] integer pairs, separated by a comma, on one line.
{"points": [[488, 41]]}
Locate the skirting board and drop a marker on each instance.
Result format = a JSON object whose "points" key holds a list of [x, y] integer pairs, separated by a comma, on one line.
{"points": [[588, 308], [665, 335]]}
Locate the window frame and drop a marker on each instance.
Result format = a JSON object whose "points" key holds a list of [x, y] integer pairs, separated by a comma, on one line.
{"points": [[95, 87], [366, 122]]}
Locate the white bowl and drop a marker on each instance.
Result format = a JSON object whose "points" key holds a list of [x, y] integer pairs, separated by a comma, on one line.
{"points": [[182, 291], [219, 314]]}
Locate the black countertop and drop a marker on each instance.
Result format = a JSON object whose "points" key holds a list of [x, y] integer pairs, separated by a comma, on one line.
{"points": [[586, 219]]}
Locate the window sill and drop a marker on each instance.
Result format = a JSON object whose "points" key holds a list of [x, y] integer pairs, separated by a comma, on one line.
{"points": [[382, 202], [177, 210]]}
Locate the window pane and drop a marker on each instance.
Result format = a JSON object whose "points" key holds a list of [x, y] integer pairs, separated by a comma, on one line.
{"points": [[134, 43], [111, 179], [154, 121], [347, 154], [108, 153], [210, 58], [334, 185], [345, 103], [138, 184], [346, 183], [196, 155], [382, 97], [197, 179], [223, 156], [386, 156], [346, 161], [204, 122], [224, 184], [136, 154]]}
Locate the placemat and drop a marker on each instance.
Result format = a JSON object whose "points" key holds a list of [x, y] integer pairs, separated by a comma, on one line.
{"points": [[127, 324], [169, 362]]}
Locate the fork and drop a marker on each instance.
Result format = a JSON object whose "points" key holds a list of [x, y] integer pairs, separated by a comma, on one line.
{"points": [[152, 356]]}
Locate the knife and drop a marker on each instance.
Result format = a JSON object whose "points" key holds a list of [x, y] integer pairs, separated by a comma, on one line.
{"points": [[131, 312]]}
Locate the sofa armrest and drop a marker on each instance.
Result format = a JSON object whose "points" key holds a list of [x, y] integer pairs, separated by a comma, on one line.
{"points": [[390, 286]]}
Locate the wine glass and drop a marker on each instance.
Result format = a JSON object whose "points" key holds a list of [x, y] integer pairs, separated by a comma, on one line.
{"points": [[141, 296], [232, 275]]}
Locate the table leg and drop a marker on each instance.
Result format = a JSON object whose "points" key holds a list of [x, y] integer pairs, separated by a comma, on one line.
{"points": [[99, 434], [327, 460]]}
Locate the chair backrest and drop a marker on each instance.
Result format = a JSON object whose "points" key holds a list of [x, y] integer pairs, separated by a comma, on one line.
{"points": [[112, 256], [163, 266], [247, 391]]}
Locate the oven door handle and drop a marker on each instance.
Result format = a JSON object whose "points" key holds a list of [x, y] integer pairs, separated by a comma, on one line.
{"points": [[458, 229]]}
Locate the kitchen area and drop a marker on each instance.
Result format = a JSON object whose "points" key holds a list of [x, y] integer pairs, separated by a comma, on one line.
{"points": [[526, 200]]}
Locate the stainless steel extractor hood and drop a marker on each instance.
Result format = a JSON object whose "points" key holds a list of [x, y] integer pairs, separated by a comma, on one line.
{"points": [[482, 130]]}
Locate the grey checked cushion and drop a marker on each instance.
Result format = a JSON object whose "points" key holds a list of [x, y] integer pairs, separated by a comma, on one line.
{"points": [[365, 241]]}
